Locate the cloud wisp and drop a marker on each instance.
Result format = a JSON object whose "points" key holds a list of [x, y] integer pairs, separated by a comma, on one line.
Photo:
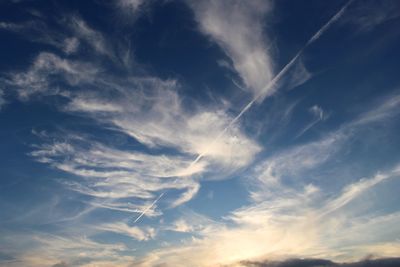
{"points": [[269, 88], [287, 227], [237, 27], [143, 108], [291, 217], [318, 114], [134, 167]]}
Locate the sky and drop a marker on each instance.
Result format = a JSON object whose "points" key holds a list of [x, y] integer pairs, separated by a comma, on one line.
{"points": [[199, 133]]}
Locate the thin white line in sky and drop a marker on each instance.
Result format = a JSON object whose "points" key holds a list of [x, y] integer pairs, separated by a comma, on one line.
{"points": [[149, 207], [267, 89]]}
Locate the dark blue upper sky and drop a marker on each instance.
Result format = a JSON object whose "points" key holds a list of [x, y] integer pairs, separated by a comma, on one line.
{"points": [[198, 133]]}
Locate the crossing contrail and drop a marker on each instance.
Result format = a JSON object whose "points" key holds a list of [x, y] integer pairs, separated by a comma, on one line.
{"points": [[149, 207], [268, 89]]}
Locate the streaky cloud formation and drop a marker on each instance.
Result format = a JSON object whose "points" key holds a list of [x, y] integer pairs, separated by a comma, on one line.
{"points": [[294, 219], [126, 140], [94, 38], [270, 86], [294, 228], [2, 101], [44, 68], [237, 27], [371, 14], [39, 32], [132, 5], [319, 115], [131, 115], [134, 232]]}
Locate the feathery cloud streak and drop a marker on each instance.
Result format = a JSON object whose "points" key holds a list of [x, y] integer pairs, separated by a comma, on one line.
{"points": [[237, 27], [130, 136]]}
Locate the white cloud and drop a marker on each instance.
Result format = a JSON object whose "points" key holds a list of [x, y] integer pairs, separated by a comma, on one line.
{"points": [[141, 234], [2, 100], [94, 38], [127, 207], [89, 105], [130, 5], [71, 45], [281, 219], [370, 14], [47, 68], [38, 31], [318, 114], [291, 163], [287, 219], [297, 76], [50, 249], [186, 196], [288, 226], [317, 111], [238, 28], [152, 113], [182, 226], [193, 223], [147, 109], [352, 191], [10, 26], [294, 162], [387, 108], [68, 34]]}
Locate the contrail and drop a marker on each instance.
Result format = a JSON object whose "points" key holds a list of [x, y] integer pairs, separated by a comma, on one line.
{"points": [[262, 93], [149, 207], [273, 82]]}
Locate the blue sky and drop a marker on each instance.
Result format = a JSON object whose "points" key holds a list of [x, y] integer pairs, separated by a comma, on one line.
{"points": [[198, 133]]}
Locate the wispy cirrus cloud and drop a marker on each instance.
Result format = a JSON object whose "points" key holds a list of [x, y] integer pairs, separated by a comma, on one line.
{"points": [[238, 28], [371, 14], [49, 249], [132, 6], [2, 100], [293, 163], [38, 31], [318, 114], [173, 142], [141, 234], [289, 217], [93, 38], [147, 109], [75, 33], [46, 70], [353, 190], [289, 226]]}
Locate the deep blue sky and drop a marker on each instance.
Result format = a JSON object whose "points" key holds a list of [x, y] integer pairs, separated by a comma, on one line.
{"points": [[198, 133]]}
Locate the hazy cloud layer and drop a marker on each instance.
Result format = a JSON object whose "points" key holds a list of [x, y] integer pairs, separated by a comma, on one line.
{"points": [[297, 220], [390, 262]]}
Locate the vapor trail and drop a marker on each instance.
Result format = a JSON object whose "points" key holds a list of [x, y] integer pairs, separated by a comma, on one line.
{"points": [[267, 90], [149, 207], [273, 82]]}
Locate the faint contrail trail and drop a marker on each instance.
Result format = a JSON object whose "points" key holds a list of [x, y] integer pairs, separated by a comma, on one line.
{"points": [[149, 207], [263, 93], [273, 82]]}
